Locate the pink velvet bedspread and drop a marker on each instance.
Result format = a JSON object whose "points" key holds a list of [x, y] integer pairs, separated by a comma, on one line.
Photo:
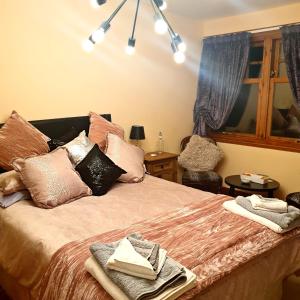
{"points": [[202, 236]]}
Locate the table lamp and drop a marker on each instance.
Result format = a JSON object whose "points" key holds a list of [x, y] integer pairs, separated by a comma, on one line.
{"points": [[137, 134]]}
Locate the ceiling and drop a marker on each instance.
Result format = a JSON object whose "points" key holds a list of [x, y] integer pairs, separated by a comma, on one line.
{"points": [[198, 9]]}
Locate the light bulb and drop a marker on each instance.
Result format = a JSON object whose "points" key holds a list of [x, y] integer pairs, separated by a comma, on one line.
{"points": [[182, 47], [163, 6], [161, 27], [88, 46], [130, 50], [179, 57], [98, 36], [94, 3]]}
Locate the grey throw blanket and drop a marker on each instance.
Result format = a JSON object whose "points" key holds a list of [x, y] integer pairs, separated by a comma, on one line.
{"points": [[171, 275], [9, 200], [284, 220]]}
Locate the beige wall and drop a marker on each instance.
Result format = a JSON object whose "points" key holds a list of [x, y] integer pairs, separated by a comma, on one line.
{"points": [[45, 74], [281, 165]]}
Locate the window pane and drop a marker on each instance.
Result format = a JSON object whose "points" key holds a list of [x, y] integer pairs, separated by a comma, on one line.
{"points": [[243, 116], [256, 55], [285, 113]]}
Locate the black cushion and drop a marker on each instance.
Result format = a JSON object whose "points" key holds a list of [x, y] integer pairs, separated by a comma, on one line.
{"points": [[66, 138], [98, 171]]}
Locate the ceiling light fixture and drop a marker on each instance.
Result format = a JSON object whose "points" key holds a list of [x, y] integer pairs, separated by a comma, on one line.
{"points": [[161, 26]]}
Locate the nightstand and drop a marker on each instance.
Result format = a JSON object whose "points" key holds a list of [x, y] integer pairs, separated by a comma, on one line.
{"points": [[164, 165]]}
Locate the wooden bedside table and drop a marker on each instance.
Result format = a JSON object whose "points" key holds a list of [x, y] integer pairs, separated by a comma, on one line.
{"points": [[164, 165]]}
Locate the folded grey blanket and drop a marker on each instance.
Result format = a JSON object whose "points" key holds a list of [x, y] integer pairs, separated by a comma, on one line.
{"points": [[8, 200], [147, 249], [171, 275], [284, 220]]}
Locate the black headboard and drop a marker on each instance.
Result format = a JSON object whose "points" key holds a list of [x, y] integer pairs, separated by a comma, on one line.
{"points": [[55, 128]]}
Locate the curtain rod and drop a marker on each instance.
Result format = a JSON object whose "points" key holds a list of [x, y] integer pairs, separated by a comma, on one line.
{"points": [[261, 29]]}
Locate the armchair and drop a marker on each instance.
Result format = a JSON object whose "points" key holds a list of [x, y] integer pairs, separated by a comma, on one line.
{"points": [[203, 180]]}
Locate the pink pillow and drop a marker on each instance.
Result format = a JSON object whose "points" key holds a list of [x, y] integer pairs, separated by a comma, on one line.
{"points": [[99, 128], [51, 179], [128, 157], [18, 138]]}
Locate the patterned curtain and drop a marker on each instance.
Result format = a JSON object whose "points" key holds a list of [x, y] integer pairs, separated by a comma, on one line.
{"points": [[223, 66], [291, 49]]}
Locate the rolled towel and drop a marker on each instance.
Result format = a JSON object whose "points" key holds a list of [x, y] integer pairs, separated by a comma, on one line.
{"points": [[268, 204], [171, 275], [116, 293], [284, 220], [127, 260]]}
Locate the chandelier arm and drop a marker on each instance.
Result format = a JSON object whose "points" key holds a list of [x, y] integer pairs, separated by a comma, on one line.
{"points": [[116, 11], [135, 18], [164, 17]]}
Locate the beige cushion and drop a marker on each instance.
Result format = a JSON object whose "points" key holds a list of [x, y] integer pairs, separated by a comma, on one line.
{"points": [[10, 182], [99, 128], [200, 155], [128, 157], [18, 138], [51, 179]]}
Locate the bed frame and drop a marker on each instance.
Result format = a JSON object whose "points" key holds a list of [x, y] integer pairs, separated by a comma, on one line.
{"points": [[55, 128]]}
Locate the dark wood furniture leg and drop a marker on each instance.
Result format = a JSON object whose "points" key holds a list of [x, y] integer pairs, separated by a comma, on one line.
{"points": [[232, 191]]}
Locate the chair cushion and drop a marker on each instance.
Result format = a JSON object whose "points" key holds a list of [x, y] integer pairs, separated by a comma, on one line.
{"points": [[200, 155], [207, 181], [198, 177], [293, 199]]}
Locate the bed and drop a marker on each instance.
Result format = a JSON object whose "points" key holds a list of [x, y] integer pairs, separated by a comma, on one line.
{"points": [[228, 253]]}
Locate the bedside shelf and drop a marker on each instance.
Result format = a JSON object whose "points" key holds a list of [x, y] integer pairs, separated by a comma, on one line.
{"points": [[164, 165]]}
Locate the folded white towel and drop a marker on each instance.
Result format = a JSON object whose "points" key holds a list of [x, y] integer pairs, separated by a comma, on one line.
{"points": [[97, 272], [233, 207], [125, 259], [268, 204]]}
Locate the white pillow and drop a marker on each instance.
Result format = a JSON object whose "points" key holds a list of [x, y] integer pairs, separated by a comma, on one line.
{"points": [[79, 148], [200, 155]]}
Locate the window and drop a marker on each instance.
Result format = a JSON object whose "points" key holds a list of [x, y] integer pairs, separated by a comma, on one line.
{"points": [[265, 113]]}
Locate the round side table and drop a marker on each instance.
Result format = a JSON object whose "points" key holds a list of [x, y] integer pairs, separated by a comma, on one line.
{"points": [[234, 182]]}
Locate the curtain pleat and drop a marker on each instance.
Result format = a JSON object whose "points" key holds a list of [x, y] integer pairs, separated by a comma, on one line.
{"points": [[291, 49]]}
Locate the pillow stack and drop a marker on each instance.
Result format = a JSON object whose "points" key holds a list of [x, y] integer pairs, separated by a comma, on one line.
{"points": [[77, 167]]}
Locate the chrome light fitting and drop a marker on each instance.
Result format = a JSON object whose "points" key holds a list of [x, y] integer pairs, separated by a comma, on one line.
{"points": [[161, 26]]}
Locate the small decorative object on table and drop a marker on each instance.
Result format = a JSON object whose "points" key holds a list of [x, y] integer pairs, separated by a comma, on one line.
{"points": [[256, 178], [160, 143], [162, 165]]}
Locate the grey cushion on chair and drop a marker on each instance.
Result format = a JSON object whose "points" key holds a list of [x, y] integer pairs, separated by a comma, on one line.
{"points": [[200, 154]]}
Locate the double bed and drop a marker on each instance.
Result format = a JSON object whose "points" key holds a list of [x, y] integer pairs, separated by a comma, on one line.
{"points": [[234, 258]]}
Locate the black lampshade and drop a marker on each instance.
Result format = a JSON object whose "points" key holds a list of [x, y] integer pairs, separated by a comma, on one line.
{"points": [[137, 132]]}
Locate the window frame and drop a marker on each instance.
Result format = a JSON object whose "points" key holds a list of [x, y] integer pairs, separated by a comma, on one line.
{"points": [[266, 84]]}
